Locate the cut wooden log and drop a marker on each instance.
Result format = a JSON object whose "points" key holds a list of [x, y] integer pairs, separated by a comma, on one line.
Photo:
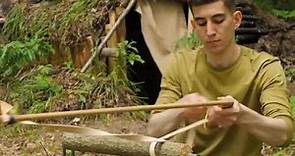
{"points": [[109, 52], [119, 146]]}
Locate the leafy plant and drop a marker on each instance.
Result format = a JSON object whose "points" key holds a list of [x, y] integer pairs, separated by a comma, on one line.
{"points": [[34, 93], [63, 22], [286, 14], [282, 8], [188, 42], [127, 54], [290, 73], [110, 89], [17, 54], [14, 27]]}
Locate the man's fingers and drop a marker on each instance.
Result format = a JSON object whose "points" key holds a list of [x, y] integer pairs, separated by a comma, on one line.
{"points": [[224, 117], [226, 98], [7, 119]]}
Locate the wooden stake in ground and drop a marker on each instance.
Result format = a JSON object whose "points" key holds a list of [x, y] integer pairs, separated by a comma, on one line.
{"points": [[123, 147]]}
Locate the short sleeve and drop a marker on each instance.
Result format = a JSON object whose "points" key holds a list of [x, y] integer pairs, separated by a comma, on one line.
{"points": [[170, 85], [274, 97]]}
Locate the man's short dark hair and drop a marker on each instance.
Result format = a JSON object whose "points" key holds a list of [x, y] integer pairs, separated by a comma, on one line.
{"points": [[230, 4]]}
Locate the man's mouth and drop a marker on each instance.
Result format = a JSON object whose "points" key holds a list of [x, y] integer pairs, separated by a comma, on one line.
{"points": [[213, 41]]}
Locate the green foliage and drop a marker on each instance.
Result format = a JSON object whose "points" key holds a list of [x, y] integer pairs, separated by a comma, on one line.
{"points": [[17, 54], [283, 8], [292, 101], [15, 26], [37, 26], [290, 71], [85, 88], [110, 89], [275, 4], [189, 41], [64, 22], [76, 16], [25, 42], [67, 23], [127, 54], [34, 93], [284, 14]]}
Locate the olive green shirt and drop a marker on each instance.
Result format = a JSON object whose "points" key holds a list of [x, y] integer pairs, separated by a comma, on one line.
{"points": [[256, 80]]}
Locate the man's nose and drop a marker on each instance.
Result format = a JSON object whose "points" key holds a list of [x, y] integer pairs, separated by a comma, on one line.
{"points": [[210, 29]]}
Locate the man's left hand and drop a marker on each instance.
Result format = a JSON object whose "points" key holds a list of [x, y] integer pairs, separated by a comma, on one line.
{"points": [[224, 117]]}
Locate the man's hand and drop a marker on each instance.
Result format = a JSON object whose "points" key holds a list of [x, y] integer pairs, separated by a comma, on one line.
{"points": [[168, 120], [5, 119], [193, 114], [224, 117]]}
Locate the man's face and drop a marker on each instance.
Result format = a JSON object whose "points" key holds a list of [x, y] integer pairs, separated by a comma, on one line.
{"points": [[215, 25]]}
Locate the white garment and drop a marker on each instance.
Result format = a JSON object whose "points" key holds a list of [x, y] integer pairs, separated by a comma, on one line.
{"points": [[163, 23]]}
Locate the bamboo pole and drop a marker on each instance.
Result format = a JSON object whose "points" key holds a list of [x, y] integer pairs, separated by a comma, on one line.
{"points": [[100, 47], [53, 115]]}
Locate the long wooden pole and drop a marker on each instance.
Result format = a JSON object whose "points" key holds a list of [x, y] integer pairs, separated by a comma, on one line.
{"points": [[52, 115], [101, 45]]}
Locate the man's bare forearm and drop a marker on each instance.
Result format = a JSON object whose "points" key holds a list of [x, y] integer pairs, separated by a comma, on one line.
{"points": [[169, 120], [272, 131], [164, 122]]}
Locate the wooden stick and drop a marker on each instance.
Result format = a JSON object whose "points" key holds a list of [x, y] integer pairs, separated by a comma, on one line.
{"points": [[52, 115], [100, 47], [184, 129]]}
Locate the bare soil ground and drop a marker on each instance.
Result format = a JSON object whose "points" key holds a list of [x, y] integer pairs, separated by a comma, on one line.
{"points": [[23, 140]]}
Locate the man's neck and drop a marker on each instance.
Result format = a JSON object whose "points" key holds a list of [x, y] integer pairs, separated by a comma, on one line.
{"points": [[224, 59]]}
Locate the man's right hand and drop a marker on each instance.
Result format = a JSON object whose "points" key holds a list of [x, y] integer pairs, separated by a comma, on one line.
{"points": [[168, 120], [193, 114]]}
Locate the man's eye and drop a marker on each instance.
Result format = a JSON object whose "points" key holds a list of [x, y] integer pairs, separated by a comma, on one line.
{"points": [[201, 22], [218, 20]]}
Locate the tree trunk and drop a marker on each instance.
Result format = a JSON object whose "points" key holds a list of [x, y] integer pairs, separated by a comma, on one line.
{"points": [[118, 146]]}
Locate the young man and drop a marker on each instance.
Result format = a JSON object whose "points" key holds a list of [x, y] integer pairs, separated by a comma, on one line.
{"points": [[226, 71]]}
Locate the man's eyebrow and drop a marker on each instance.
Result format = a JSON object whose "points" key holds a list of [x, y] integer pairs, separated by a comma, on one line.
{"points": [[214, 16], [199, 18], [218, 15]]}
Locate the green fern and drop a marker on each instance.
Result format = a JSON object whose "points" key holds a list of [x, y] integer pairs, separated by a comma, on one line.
{"points": [[17, 54], [35, 92]]}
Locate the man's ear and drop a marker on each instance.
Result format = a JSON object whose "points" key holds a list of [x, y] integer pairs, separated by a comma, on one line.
{"points": [[237, 18]]}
